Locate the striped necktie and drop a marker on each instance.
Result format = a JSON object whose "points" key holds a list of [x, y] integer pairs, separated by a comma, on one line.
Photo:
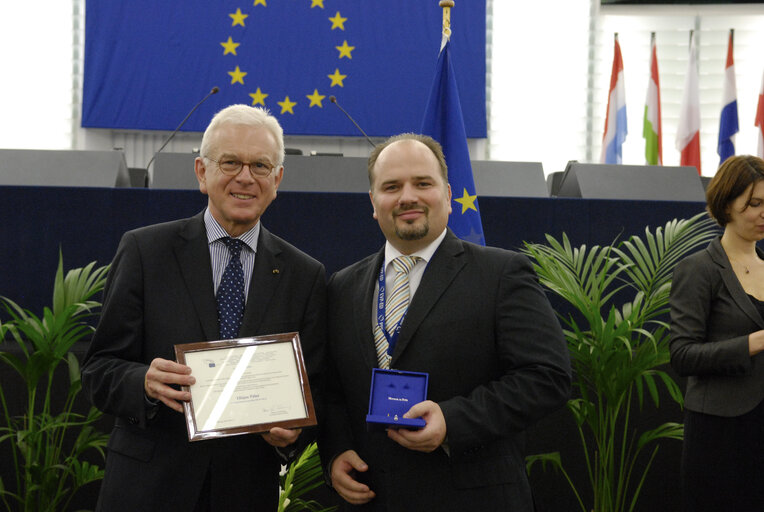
{"points": [[395, 307]]}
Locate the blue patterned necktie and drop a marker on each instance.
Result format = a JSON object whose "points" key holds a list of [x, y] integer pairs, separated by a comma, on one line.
{"points": [[230, 296]]}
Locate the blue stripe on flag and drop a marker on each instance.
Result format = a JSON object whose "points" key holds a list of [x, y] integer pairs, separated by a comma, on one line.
{"points": [[614, 153], [728, 126]]}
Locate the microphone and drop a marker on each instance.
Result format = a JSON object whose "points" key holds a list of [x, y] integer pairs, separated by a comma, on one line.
{"points": [[334, 100], [214, 90]]}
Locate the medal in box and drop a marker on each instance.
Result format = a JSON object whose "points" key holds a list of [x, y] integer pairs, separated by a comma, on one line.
{"points": [[393, 392]]}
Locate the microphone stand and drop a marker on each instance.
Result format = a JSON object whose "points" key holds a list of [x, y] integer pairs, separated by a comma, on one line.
{"points": [[214, 90], [334, 100]]}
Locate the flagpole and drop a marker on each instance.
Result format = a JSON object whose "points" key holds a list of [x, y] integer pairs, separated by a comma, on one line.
{"points": [[443, 121], [446, 5]]}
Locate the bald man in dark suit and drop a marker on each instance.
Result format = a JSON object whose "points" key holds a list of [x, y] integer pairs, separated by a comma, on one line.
{"points": [[477, 322]]}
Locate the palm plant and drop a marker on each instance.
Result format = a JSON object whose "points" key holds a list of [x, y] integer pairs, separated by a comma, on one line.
{"points": [[47, 445], [302, 476], [617, 352]]}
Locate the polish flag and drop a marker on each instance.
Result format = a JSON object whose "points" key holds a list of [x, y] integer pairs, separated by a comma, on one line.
{"points": [[688, 134], [728, 122], [760, 119], [615, 119], [652, 131]]}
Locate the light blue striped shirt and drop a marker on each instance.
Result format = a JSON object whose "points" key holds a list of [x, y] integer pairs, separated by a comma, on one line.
{"points": [[219, 254]]}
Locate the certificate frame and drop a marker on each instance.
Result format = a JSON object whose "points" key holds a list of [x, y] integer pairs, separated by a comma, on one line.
{"points": [[246, 385]]}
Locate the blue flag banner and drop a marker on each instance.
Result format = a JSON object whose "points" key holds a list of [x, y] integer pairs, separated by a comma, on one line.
{"points": [[148, 62], [443, 121]]}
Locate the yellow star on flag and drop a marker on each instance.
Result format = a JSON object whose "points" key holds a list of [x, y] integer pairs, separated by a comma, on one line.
{"points": [[337, 78], [229, 46], [315, 98], [258, 97], [319, 3], [260, 2], [238, 18], [345, 50], [237, 75], [286, 105], [338, 21], [467, 201]]}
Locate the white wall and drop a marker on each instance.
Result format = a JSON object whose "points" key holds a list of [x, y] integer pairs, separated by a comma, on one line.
{"points": [[538, 81], [36, 77]]}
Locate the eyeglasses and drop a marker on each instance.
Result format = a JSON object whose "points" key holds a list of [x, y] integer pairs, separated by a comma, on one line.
{"points": [[231, 167]]}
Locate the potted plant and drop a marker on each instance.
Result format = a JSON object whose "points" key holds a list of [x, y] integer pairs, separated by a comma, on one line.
{"points": [[48, 441], [617, 351]]}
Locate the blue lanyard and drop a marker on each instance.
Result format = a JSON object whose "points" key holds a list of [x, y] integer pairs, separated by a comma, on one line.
{"points": [[391, 338]]}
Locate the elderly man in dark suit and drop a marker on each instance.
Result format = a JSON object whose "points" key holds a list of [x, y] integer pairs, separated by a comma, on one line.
{"points": [[477, 322], [162, 291]]}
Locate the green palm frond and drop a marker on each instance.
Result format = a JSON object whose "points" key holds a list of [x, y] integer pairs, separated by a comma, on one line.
{"points": [[649, 265], [302, 476]]}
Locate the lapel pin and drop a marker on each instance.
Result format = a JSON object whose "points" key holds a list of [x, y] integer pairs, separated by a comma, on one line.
{"points": [[275, 271]]}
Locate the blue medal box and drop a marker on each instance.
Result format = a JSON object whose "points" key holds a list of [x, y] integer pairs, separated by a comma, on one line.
{"points": [[393, 392]]}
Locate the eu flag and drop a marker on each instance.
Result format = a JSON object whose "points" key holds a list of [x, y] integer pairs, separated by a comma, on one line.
{"points": [[148, 62], [443, 121]]}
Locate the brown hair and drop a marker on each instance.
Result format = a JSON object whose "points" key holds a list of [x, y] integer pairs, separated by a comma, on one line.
{"points": [[732, 178], [428, 141]]}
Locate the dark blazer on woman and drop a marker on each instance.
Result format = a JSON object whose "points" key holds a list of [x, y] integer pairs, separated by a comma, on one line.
{"points": [[711, 318], [160, 293]]}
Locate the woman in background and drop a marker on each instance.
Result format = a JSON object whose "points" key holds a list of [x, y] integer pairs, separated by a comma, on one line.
{"points": [[717, 336]]}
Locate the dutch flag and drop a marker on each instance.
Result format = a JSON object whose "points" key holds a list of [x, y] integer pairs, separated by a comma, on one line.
{"points": [[615, 119], [728, 124]]}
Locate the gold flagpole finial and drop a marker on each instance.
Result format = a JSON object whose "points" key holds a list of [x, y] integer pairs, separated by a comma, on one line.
{"points": [[447, 5]]}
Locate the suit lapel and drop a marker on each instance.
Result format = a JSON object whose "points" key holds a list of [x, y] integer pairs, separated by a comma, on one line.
{"points": [[193, 255], [363, 302], [732, 283], [445, 264], [266, 275]]}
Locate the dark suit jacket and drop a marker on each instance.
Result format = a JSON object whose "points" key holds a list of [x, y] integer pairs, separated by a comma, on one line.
{"points": [[160, 293], [483, 329], [711, 318]]}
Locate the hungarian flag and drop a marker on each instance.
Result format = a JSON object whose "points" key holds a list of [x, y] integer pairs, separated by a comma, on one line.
{"points": [[728, 124], [615, 118], [652, 131], [760, 118], [688, 134]]}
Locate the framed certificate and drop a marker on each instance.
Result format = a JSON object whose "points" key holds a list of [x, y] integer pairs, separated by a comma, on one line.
{"points": [[246, 385]]}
